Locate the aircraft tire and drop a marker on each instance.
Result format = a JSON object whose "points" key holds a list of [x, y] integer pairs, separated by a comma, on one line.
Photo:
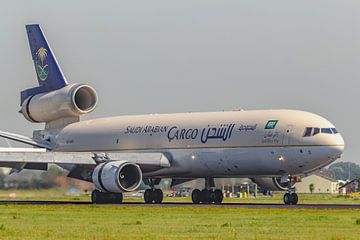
{"points": [[158, 196], [294, 198], [212, 196], [196, 196], [101, 197], [287, 198], [206, 196], [218, 198], [96, 196], [115, 198], [148, 196]]}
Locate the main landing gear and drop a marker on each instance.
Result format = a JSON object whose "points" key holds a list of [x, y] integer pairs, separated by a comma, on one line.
{"points": [[207, 195], [104, 197], [153, 195]]}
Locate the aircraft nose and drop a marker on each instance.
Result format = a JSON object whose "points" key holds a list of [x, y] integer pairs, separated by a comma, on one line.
{"points": [[341, 141], [339, 145]]}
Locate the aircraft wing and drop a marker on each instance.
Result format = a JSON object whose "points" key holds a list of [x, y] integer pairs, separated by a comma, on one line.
{"points": [[37, 158], [23, 139]]}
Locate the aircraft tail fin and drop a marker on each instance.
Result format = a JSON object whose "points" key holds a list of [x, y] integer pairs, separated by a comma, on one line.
{"points": [[48, 72]]}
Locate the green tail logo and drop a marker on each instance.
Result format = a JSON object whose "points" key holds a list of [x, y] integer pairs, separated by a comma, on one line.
{"points": [[41, 70]]}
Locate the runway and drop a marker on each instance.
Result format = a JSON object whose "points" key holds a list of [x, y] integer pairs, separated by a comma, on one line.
{"points": [[187, 204]]}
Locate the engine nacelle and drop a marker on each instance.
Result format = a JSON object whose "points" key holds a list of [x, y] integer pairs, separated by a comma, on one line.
{"points": [[70, 101], [272, 184], [117, 176]]}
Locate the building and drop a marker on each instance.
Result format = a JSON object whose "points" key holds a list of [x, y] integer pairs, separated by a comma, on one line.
{"points": [[321, 184]]}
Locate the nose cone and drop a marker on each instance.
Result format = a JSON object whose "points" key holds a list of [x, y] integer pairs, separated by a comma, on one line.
{"points": [[341, 140], [336, 146], [339, 144]]}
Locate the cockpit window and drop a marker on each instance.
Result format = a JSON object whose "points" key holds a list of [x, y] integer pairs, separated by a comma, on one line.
{"points": [[334, 130], [308, 132], [316, 131], [326, 130], [312, 131]]}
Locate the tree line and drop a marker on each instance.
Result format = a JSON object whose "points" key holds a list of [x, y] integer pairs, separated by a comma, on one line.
{"points": [[345, 170]]}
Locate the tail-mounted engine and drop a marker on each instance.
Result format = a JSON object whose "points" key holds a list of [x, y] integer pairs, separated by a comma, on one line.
{"points": [[117, 176], [70, 101], [273, 184]]}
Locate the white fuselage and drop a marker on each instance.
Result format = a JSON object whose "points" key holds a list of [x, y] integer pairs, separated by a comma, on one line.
{"points": [[215, 144]]}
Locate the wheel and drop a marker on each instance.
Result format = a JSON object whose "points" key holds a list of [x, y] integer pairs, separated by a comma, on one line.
{"points": [[206, 196], [218, 196], [286, 198], [109, 197], [196, 196], [148, 196], [119, 198], [158, 195], [294, 198], [114, 198], [212, 196], [103, 197], [96, 196]]}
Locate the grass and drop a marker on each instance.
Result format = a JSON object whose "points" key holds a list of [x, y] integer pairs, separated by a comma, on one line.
{"points": [[130, 222], [169, 222], [41, 195]]}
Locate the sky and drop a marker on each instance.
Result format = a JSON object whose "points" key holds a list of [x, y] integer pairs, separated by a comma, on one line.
{"points": [[164, 56]]}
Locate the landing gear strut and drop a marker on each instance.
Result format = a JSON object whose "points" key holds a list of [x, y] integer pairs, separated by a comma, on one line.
{"points": [[104, 197], [207, 195], [153, 195]]}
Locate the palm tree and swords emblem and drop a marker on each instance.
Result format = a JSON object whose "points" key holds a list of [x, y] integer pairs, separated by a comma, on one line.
{"points": [[41, 70]]}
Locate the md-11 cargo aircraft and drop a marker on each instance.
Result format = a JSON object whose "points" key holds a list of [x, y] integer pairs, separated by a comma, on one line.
{"points": [[274, 148]]}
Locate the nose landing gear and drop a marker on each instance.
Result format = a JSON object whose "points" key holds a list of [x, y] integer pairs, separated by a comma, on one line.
{"points": [[290, 198]]}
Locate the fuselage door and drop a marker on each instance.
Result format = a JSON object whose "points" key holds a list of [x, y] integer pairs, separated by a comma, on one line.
{"points": [[288, 135]]}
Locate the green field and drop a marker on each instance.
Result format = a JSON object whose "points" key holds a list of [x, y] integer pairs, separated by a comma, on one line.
{"points": [[129, 222], [169, 222]]}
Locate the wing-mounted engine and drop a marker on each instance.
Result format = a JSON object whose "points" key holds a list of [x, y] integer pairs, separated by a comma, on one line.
{"points": [[117, 176], [273, 184], [68, 102]]}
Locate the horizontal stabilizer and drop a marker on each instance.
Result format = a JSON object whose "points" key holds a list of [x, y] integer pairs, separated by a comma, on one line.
{"points": [[23, 139], [46, 157]]}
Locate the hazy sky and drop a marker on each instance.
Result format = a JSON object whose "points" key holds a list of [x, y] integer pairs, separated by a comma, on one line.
{"points": [[160, 56]]}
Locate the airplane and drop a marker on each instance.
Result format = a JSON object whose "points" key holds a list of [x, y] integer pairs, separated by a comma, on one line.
{"points": [[273, 148]]}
